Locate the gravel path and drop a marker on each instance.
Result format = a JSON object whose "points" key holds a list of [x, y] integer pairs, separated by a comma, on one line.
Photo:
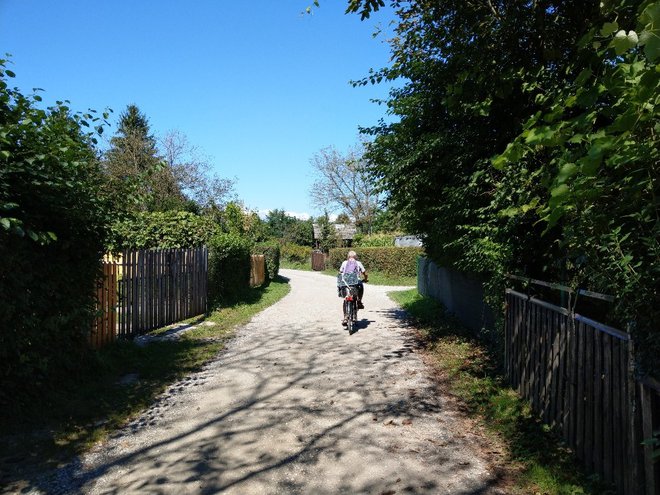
{"points": [[295, 405]]}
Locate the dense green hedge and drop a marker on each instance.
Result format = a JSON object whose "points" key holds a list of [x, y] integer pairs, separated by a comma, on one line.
{"points": [[295, 253], [229, 268], [162, 229], [52, 229], [397, 261], [271, 251]]}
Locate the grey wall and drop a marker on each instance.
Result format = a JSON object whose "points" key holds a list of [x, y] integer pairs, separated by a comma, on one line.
{"points": [[461, 295]]}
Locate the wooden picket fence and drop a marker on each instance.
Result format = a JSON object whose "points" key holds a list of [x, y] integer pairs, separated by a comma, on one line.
{"points": [[579, 376], [147, 289], [104, 328]]}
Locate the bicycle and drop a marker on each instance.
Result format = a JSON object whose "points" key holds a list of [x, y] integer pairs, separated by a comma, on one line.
{"points": [[350, 293], [350, 308]]}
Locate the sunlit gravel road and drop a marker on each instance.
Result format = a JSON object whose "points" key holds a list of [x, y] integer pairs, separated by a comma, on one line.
{"points": [[296, 405]]}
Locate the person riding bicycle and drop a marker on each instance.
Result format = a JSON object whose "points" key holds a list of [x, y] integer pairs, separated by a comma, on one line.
{"points": [[352, 266]]}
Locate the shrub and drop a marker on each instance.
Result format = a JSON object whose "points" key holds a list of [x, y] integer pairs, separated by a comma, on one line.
{"points": [[396, 261], [271, 251], [229, 268], [52, 230], [295, 253], [162, 229], [373, 240]]}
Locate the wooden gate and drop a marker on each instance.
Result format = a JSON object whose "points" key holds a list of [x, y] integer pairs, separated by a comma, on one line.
{"points": [[318, 261], [257, 270]]}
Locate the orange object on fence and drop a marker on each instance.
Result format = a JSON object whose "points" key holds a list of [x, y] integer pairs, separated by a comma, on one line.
{"points": [[104, 329], [257, 270]]}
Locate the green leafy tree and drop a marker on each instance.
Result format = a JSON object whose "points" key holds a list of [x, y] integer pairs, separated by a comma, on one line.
{"points": [[564, 95], [594, 147], [328, 238], [137, 178], [237, 220], [301, 233], [278, 222]]}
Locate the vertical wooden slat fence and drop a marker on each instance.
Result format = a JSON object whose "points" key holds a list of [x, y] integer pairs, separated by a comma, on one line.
{"points": [[147, 289], [161, 287], [104, 328], [579, 376]]}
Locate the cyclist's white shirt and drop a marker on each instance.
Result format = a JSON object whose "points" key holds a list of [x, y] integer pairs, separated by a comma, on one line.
{"points": [[360, 266]]}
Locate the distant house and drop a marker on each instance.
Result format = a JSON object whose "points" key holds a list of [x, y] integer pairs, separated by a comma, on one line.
{"points": [[345, 231]]}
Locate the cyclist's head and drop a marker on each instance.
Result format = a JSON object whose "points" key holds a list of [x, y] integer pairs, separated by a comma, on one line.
{"points": [[352, 254]]}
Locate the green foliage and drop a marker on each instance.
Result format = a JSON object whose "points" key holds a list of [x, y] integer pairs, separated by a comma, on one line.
{"points": [[328, 238], [137, 177], [295, 253], [536, 154], [278, 222], [395, 261], [373, 240], [169, 229], [271, 252], [53, 219], [593, 143], [235, 219], [229, 268], [301, 232]]}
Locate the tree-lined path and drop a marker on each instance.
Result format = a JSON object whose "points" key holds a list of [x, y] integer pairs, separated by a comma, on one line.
{"points": [[296, 405]]}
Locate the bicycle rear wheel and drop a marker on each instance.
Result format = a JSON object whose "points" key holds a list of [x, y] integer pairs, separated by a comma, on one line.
{"points": [[350, 317]]}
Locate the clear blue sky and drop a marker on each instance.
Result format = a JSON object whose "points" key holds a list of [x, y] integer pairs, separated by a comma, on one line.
{"points": [[256, 84]]}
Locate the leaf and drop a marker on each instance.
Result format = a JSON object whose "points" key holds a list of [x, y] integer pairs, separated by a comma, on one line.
{"points": [[651, 14], [609, 28], [559, 191], [512, 211], [651, 41], [9, 73], [623, 42], [6, 224], [540, 135], [583, 77], [566, 171]]}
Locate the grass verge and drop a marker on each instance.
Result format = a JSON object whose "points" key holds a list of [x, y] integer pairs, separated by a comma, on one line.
{"points": [[121, 380], [539, 463]]}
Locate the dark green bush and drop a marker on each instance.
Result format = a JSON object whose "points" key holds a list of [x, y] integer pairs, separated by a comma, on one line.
{"points": [[229, 268], [271, 251], [52, 232], [295, 253], [162, 229], [396, 261]]}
